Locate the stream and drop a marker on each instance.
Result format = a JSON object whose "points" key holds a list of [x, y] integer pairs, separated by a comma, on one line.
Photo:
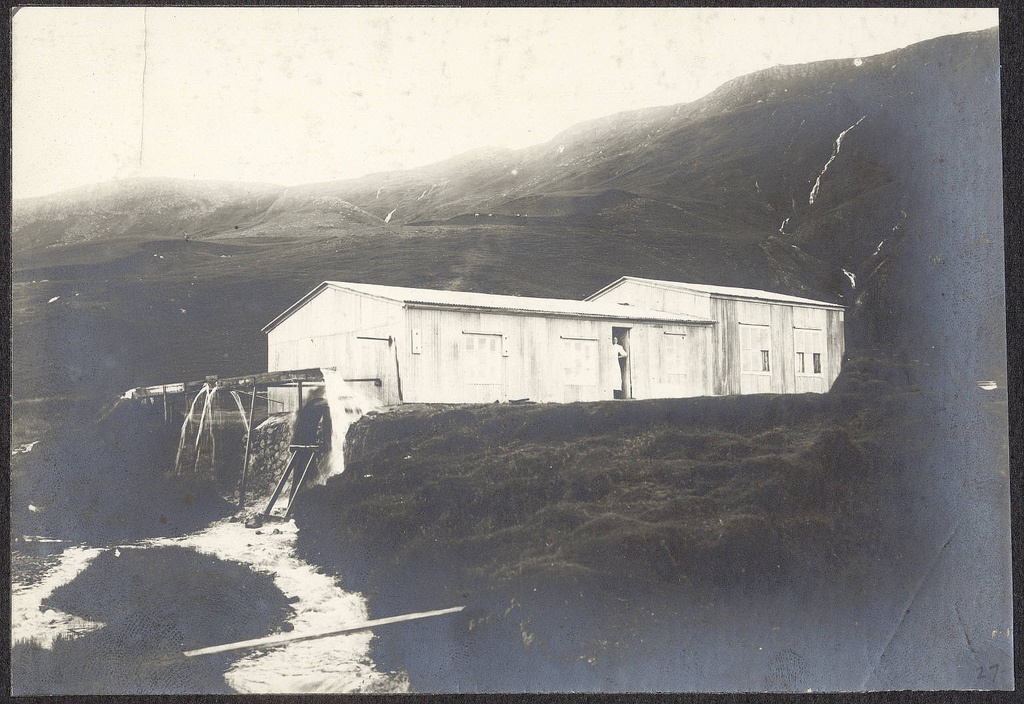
{"points": [[334, 664]]}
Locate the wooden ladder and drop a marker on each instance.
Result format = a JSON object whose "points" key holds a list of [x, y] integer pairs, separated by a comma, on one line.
{"points": [[304, 455]]}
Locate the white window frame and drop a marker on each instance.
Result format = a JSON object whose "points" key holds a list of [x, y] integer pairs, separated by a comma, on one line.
{"points": [[752, 355], [580, 369], [673, 358], [809, 342], [476, 346]]}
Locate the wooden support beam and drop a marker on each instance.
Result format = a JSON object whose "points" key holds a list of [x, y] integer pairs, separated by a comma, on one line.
{"points": [[239, 383], [280, 484], [269, 641], [297, 484]]}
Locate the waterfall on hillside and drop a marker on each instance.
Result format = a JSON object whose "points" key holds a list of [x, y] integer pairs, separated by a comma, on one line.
{"points": [[835, 153], [347, 405]]}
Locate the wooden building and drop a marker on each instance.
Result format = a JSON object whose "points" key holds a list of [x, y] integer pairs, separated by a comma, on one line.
{"points": [[763, 342], [408, 345]]}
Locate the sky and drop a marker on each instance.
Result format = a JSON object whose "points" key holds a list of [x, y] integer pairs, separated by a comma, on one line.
{"points": [[301, 95]]}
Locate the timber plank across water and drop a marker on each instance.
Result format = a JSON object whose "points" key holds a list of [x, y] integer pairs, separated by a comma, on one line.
{"points": [[269, 641], [230, 383]]}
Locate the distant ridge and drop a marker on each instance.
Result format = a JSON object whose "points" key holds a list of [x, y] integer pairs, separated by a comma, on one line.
{"points": [[901, 150]]}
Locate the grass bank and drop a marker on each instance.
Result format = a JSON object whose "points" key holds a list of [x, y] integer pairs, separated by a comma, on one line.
{"points": [[101, 472], [595, 545]]}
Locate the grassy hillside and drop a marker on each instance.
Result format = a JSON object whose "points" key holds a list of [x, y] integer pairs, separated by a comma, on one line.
{"points": [[593, 541], [103, 475]]}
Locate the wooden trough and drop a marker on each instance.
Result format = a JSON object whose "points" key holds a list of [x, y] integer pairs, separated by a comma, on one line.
{"points": [[177, 399]]}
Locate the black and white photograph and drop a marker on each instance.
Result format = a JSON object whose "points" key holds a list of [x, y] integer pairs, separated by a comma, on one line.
{"points": [[508, 350]]}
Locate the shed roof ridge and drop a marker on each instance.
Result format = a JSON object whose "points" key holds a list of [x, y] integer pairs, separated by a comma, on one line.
{"points": [[713, 289], [474, 299]]}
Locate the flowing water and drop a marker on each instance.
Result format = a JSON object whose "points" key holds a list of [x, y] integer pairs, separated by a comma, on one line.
{"points": [[190, 419], [335, 664], [348, 404], [29, 621]]}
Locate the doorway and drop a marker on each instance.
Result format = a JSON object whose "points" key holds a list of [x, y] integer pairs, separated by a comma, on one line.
{"points": [[625, 390]]}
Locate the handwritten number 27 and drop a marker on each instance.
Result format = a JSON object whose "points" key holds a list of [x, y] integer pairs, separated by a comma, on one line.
{"points": [[994, 669]]}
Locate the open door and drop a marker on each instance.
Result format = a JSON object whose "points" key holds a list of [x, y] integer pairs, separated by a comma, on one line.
{"points": [[620, 337]]}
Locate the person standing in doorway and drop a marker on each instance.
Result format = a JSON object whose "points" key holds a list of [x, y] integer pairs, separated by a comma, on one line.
{"points": [[620, 355]]}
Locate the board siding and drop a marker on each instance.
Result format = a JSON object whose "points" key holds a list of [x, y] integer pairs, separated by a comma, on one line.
{"points": [[534, 366], [641, 295], [326, 332]]}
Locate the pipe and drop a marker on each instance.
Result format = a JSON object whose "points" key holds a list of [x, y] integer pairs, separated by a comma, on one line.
{"points": [[295, 637]]}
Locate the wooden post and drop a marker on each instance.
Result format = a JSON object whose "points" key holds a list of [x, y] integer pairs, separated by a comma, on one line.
{"points": [[297, 484], [280, 484], [164, 394], [298, 385], [248, 446]]}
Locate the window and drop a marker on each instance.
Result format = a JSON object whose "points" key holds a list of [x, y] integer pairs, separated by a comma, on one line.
{"points": [[755, 349], [579, 361], [482, 362], [808, 342], [673, 358]]}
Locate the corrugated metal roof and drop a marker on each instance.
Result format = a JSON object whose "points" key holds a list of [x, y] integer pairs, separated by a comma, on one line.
{"points": [[467, 300], [525, 304], [724, 291]]}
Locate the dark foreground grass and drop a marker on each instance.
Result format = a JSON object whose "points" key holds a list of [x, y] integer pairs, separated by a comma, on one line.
{"points": [[154, 603], [102, 473], [575, 534]]}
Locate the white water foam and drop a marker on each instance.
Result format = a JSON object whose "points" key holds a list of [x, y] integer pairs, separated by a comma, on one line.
{"points": [[29, 622], [347, 405], [335, 664]]}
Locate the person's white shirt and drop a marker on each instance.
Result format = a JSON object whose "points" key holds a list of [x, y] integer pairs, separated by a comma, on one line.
{"points": [[620, 351]]}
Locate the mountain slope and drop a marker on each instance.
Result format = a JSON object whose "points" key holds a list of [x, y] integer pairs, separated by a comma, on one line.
{"points": [[841, 180]]}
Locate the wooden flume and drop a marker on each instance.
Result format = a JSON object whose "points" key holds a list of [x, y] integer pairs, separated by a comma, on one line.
{"points": [[177, 396]]}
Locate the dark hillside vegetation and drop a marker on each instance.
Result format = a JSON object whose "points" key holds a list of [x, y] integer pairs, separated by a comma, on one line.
{"points": [[104, 473], [588, 540]]}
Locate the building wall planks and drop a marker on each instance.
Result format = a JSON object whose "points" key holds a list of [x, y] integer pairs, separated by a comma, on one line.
{"points": [[545, 358], [783, 320], [425, 353]]}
